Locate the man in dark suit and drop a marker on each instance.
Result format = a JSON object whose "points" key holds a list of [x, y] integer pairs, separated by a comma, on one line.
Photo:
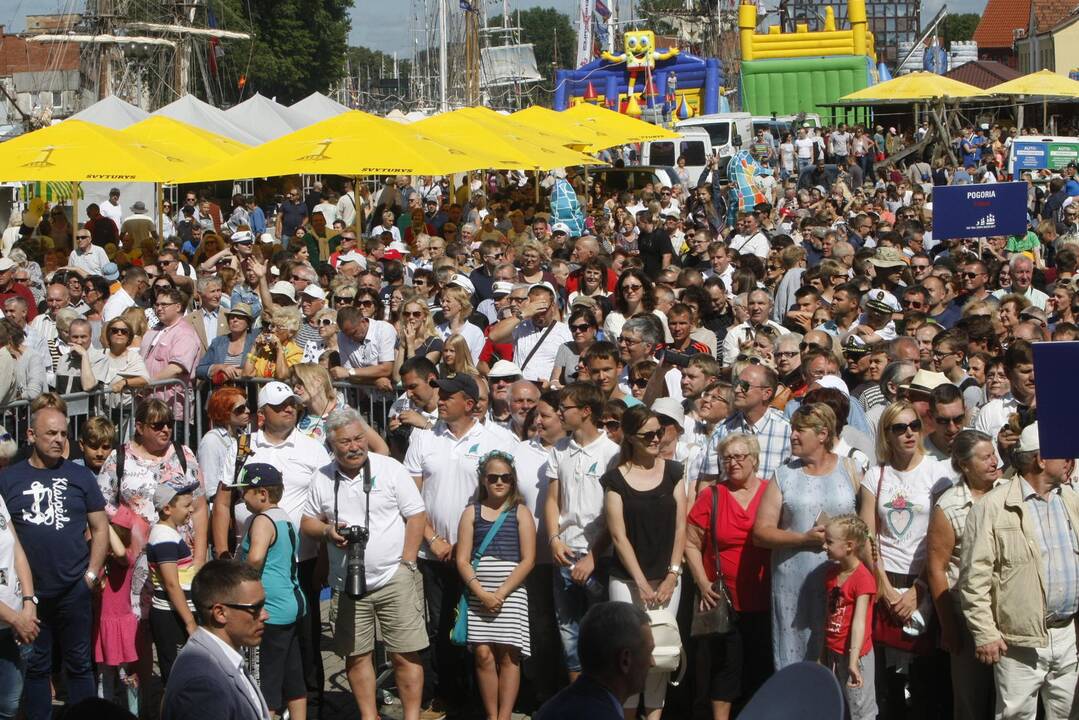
{"points": [[615, 646], [209, 680]]}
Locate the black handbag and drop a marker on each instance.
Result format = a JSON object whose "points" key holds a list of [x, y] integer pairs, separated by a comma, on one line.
{"points": [[719, 620]]}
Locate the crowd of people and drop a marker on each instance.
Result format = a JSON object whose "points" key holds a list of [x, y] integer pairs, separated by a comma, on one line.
{"points": [[802, 429]]}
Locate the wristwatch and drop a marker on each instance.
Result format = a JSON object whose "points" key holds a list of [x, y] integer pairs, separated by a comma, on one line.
{"points": [[29, 598], [91, 576], [675, 569], [410, 564]]}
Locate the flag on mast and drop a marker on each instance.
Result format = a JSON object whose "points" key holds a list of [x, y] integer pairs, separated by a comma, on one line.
{"points": [[584, 31]]}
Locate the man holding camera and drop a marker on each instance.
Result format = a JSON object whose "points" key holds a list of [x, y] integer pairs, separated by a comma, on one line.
{"points": [[370, 512]]}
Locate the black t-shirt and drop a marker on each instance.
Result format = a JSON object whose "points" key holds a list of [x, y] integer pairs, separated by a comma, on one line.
{"points": [[653, 246], [49, 509], [650, 518]]}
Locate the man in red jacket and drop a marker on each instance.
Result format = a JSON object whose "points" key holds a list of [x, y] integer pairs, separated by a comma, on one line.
{"points": [[10, 288]]}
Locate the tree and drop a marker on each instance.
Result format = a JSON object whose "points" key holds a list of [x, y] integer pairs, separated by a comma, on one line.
{"points": [[297, 47], [650, 9], [959, 27], [551, 34]]}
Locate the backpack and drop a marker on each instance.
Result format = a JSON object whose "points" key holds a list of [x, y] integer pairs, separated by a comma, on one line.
{"points": [[668, 655], [121, 457]]}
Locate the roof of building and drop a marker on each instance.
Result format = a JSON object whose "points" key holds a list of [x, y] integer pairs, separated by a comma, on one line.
{"points": [[18, 55], [1051, 12], [982, 73], [999, 21]]}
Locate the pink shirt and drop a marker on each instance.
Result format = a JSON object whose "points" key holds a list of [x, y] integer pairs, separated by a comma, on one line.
{"points": [[175, 345]]}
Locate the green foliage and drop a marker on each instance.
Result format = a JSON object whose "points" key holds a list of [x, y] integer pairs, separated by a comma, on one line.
{"points": [[647, 9], [298, 46], [546, 28], [959, 27]]}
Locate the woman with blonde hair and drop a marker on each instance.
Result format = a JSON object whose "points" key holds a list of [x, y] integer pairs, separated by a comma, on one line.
{"points": [[815, 484], [275, 350], [456, 307], [897, 498], [312, 384], [135, 318], [456, 358], [416, 334]]}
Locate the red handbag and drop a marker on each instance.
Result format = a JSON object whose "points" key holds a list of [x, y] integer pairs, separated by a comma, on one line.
{"points": [[888, 630]]}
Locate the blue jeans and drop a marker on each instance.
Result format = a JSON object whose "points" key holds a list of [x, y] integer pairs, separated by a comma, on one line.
{"points": [[12, 666], [571, 602], [66, 618]]}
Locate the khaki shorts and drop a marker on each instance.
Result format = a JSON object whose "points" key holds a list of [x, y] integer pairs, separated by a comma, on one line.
{"points": [[398, 607]]}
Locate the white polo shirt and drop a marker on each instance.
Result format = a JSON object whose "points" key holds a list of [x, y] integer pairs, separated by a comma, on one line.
{"points": [[531, 461], [298, 458], [527, 336], [92, 261], [394, 498], [449, 467], [115, 306], [578, 470], [376, 347]]}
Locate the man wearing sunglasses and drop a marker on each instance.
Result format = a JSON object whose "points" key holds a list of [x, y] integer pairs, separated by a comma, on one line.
{"points": [[9, 288], [503, 375], [753, 393], [536, 332], [947, 416], [210, 671], [291, 215], [483, 277]]}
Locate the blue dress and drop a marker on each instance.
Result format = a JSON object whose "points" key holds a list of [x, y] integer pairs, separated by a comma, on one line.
{"points": [[798, 602]]}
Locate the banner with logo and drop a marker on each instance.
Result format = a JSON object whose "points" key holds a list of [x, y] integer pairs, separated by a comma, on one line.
{"points": [[584, 31], [970, 211]]}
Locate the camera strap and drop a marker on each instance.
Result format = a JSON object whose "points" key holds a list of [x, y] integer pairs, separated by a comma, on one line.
{"points": [[367, 485]]}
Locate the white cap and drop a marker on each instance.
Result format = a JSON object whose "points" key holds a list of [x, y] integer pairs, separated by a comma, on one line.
{"points": [[242, 236], [881, 301], [275, 393], [504, 368], [353, 256], [314, 290], [267, 238], [545, 285], [501, 287], [400, 247], [6, 264], [283, 287], [560, 227], [670, 408], [462, 281], [834, 382], [1029, 440]]}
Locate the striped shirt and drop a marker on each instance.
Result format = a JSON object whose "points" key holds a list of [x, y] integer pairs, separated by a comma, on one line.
{"points": [[773, 432], [1060, 552]]}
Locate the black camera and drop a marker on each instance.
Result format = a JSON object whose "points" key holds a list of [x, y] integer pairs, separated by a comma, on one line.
{"points": [[355, 576]]}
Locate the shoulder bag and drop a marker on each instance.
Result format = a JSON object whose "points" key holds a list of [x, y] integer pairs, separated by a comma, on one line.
{"points": [[537, 346], [720, 620], [459, 633]]}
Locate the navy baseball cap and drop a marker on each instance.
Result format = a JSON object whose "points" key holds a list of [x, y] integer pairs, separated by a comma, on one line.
{"points": [[460, 383], [258, 475]]}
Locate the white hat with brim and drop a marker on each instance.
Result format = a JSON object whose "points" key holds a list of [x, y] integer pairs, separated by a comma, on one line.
{"points": [[275, 393], [284, 289]]}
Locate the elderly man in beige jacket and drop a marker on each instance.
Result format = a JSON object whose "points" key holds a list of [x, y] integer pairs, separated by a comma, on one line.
{"points": [[1019, 584]]}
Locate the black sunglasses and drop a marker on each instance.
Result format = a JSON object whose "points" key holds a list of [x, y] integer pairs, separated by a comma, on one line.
{"points": [[639, 383], [583, 327], [611, 424], [901, 428], [650, 436], [252, 609], [504, 478]]}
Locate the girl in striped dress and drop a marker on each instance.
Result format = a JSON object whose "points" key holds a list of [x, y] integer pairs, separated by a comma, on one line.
{"points": [[496, 548]]}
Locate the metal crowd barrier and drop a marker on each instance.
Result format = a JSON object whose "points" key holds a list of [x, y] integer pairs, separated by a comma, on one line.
{"points": [[120, 407]]}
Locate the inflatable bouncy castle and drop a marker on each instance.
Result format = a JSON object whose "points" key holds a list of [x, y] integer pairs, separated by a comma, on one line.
{"points": [[790, 73]]}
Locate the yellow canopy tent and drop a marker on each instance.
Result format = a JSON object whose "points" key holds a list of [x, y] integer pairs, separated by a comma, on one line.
{"points": [[547, 120], [184, 138], [1045, 85], [914, 87], [78, 151], [538, 135], [75, 151], [351, 144]]}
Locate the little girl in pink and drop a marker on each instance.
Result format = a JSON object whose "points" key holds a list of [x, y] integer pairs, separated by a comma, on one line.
{"points": [[115, 649]]}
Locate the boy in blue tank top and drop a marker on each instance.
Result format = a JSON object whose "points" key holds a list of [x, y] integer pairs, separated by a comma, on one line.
{"points": [[270, 545]]}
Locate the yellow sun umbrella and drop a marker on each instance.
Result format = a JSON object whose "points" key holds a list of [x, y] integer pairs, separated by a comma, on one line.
{"points": [[915, 86], [79, 151], [538, 135], [185, 139], [587, 138], [519, 147], [1044, 83], [623, 127], [351, 144]]}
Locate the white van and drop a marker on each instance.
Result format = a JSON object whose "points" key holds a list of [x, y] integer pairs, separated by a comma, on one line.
{"points": [[695, 145], [722, 128]]}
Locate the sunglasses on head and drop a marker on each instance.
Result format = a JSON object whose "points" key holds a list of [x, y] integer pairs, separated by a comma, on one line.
{"points": [[902, 428]]}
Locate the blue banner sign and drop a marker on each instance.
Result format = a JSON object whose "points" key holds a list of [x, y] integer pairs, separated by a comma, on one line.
{"points": [[969, 211], [1057, 396]]}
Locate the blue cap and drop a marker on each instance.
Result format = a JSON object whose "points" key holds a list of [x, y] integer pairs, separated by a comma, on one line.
{"points": [[259, 475]]}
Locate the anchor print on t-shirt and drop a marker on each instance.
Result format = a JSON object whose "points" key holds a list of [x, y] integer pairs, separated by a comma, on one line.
{"points": [[48, 504]]}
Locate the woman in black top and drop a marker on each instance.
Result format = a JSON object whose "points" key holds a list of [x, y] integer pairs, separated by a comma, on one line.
{"points": [[644, 505]]}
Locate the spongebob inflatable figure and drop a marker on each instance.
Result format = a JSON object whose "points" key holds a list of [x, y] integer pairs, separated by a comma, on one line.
{"points": [[640, 54]]}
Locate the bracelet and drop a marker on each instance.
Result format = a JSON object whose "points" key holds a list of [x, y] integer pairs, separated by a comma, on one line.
{"points": [[553, 538], [467, 582], [434, 538]]}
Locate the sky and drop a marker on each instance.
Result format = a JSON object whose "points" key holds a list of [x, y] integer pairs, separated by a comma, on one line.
{"points": [[383, 24]]}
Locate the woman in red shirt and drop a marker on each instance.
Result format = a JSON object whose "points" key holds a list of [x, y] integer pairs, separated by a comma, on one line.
{"points": [[722, 520]]}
